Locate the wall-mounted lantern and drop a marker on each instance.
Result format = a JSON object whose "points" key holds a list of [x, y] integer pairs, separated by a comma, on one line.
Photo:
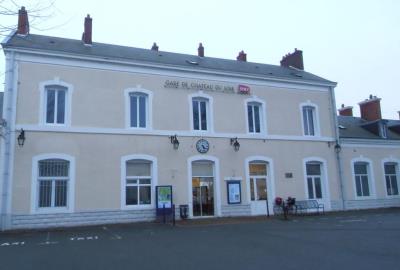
{"points": [[235, 143], [21, 138], [338, 148], [174, 141]]}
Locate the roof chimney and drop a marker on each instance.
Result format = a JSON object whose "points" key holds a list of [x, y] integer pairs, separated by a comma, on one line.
{"points": [[23, 22], [154, 47], [242, 56], [200, 50], [87, 34], [370, 109], [294, 60], [346, 110]]}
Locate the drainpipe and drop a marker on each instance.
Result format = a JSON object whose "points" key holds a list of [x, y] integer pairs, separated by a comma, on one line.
{"points": [[8, 141], [337, 142]]}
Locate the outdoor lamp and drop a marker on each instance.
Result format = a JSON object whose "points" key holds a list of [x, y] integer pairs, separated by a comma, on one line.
{"points": [[235, 143], [21, 138], [174, 141], [338, 148]]}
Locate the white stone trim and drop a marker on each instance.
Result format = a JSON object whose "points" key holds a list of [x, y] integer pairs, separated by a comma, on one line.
{"points": [[317, 130], [209, 109], [371, 178], [326, 198], [217, 191], [123, 131], [154, 181], [43, 98], [270, 179], [263, 115], [391, 160], [71, 184], [149, 108]]}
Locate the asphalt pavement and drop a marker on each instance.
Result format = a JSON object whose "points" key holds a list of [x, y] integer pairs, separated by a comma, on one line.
{"points": [[343, 240]]}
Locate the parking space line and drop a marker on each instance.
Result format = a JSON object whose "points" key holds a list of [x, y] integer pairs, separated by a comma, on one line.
{"points": [[47, 242], [353, 220], [114, 235]]}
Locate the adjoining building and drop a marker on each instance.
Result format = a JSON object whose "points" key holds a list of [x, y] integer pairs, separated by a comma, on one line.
{"points": [[370, 156], [93, 128]]}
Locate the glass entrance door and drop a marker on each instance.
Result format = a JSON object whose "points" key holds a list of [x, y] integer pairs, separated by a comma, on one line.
{"points": [[203, 196], [203, 188]]}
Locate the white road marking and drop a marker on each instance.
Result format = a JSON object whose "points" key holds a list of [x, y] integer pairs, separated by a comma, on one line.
{"points": [[114, 235], [6, 244], [84, 238], [353, 220]]}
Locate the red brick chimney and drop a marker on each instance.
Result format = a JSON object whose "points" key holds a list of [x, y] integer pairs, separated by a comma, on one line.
{"points": [[87, 34], [23, 22], [154, 47], [370, 109], [346, 110], [294, 59], [242, 56], [200, 50]]}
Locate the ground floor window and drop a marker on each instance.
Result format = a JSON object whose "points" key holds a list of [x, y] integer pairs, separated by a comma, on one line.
{"points": [[138, 182], [391, 178], [53, 181], [314, 180], [362, 179]]}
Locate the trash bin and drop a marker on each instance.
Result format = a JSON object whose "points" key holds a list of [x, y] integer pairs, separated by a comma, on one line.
{"points": [[184, 211]]}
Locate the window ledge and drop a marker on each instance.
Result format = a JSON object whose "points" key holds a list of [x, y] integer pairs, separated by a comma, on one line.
{"points": [[52, 210], [138, 207]]}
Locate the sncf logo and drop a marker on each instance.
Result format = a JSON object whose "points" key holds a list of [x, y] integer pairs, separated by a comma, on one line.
{"points": [[243, 89]]}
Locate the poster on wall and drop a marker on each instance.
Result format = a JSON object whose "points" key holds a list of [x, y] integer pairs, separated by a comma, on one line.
{"points": [[234, 192], [164, 197]]}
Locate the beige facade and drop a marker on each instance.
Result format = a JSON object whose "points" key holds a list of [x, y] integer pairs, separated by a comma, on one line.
{"points": [[105, 125]]}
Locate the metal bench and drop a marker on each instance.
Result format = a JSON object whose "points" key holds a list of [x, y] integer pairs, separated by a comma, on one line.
{"points": [[304, 206]]}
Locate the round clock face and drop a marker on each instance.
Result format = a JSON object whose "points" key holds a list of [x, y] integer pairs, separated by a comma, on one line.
{"points": [[202, 146]]}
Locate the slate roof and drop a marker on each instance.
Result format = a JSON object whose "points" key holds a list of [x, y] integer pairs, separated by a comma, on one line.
{"points": [[33, 42], [352, 127]]}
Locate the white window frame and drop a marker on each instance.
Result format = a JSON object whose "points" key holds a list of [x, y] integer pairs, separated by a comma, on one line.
{"points": [[209, 112], [149, 107], [35, 209], [263, 117], [397, 167], [270, 179], [217, 188], [317, 132], [371, 179], [154, 181], [43, 102]]}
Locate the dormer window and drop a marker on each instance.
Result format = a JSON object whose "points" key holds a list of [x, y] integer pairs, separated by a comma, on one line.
{"points": [[383, 130]]}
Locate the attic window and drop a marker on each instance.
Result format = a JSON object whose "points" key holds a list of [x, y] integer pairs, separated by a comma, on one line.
{"points": [[383, 131], [341, 127], [192, 62]]}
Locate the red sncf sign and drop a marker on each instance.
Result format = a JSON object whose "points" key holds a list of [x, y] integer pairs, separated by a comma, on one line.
{"points": [[243, 89]]}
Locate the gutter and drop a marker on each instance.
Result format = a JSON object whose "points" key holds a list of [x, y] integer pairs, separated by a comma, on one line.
{"points": [[338, 142], [8, 142]]}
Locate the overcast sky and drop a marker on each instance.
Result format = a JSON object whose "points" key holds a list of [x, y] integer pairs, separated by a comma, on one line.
{"points": [[354, 43]]}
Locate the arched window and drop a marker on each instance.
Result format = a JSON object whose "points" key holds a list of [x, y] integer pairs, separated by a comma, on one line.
{"points": [[138, 179], [309, 115], [138, 103], [362, 178], [201, 112], [53, 183], [314, 179], [55, 102], [391, 178], [255, 115]]}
